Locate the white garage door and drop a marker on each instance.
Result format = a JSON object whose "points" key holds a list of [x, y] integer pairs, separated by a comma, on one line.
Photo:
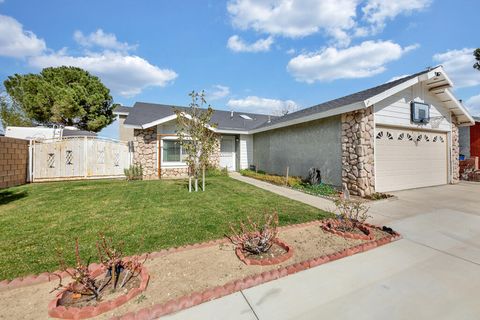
{"points": [[406, 159]]}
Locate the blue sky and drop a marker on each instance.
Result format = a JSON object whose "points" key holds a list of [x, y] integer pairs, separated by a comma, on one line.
{"points": [[257, 56]]}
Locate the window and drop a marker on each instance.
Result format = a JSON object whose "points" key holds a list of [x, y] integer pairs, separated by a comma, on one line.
{"points": [[173, 151]]}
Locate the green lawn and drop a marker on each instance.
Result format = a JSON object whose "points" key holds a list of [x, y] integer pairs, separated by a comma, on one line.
{"points": [[147, 215]]}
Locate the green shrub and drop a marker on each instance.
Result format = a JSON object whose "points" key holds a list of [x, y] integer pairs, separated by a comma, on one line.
{"points": [[216, 172], [318, 189], [134, 172], [275, 179]]}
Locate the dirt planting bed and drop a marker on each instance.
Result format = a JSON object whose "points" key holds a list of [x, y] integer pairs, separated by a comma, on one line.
{"points": [[183, 277]]}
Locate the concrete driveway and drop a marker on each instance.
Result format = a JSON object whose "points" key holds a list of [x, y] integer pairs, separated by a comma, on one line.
{"points": [[432, 273]]}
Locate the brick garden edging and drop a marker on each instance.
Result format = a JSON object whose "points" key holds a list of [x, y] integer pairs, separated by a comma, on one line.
{"points": [[330, 225], [219, 291], [268, 261], [197, 298], [56, 311]]}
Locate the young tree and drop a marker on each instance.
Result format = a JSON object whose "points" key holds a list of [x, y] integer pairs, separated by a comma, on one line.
{"points": [[476, 54], [196, 135], [66, 96]]}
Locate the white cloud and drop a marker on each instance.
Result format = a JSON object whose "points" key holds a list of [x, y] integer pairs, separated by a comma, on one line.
{"points": [[473, 105], [126, 74], [459, 66], [101, 39], [218, 92], [295, 19], [17, 42], [256, 104], [377, 12], [365, 60], [235, 43]]}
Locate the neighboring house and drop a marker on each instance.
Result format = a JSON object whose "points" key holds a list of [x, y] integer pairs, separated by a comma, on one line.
{"points": [[368, 141], [470, 140], [46, 133]]}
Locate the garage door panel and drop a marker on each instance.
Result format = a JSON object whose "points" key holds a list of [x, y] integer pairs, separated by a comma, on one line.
{"points": [[409, 159]]}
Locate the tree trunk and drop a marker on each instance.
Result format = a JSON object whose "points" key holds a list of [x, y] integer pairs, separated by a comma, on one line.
{"points": [[189, 183], [196, 184], [203, 178]]}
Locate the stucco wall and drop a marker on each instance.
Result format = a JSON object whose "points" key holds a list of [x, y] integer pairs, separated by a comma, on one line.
{"points": [[300, 147], [126, 134]]}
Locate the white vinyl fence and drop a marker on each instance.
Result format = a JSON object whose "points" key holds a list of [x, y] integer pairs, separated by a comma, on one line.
{"points": [[78, 158]]}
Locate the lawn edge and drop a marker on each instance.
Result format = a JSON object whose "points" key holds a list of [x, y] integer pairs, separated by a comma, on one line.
{"points": [[33, 279]]}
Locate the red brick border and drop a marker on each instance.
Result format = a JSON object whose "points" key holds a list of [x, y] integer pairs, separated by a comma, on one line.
{"points": [[330, 225], [56, 311], [268, 261], [217, 292], [196, 298]]}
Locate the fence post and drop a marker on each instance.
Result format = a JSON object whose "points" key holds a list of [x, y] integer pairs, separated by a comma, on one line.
{"points": [[30, 161], [85, 146]]}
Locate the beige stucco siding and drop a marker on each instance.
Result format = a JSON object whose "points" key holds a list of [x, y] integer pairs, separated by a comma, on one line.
{"points": [[300, 147], [126, 134]]}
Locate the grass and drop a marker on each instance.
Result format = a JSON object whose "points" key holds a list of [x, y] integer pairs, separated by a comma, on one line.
{"points": [[318, 190], [37, 219]]}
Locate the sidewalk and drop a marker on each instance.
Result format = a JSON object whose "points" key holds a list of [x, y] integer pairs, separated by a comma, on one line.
{"points": [[314, 201]]}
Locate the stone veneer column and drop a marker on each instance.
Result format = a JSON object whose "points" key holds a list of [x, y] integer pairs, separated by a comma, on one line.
{"points": [[455, 152], [215, 157], [145, 151], [358, 173]]}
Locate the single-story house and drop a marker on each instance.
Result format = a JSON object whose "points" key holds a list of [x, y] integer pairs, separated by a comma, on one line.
{"points": [[399, 135], [470, 140]]}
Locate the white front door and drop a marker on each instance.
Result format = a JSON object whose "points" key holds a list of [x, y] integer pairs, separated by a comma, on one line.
{"points": [[227, 153]]}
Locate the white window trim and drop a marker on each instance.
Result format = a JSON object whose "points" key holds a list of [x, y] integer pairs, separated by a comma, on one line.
{"points": [[170, 164]]}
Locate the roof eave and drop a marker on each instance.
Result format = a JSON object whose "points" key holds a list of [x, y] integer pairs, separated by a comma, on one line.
{"points": [[312, 117]]}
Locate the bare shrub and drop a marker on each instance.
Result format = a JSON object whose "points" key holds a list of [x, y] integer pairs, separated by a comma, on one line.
{"points": [[256, 237], [351, 213], [83, 282], [111, 257]]}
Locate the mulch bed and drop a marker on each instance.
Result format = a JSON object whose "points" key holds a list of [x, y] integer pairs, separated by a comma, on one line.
{"points": [[278, 253], [361, 231], [65, 306], [187, 276]]}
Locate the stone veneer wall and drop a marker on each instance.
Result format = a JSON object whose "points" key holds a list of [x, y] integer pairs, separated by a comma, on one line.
{"points": [[145, 154], [455, 152], [358, 173], [145, 151]]}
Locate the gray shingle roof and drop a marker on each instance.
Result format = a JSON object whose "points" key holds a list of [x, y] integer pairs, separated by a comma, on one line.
{"points": [[343, 101], [143, 113], [122, 109], [78, 133]]}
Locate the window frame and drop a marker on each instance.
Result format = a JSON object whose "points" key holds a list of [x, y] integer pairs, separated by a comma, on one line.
{"points": [[171, 163]]}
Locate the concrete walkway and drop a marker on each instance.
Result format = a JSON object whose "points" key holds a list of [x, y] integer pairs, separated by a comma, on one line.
{"points": [[433, 273], [314, 201]]}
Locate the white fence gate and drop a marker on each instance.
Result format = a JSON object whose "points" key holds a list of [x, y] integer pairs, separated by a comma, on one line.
{"points": [[78, 158]]}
